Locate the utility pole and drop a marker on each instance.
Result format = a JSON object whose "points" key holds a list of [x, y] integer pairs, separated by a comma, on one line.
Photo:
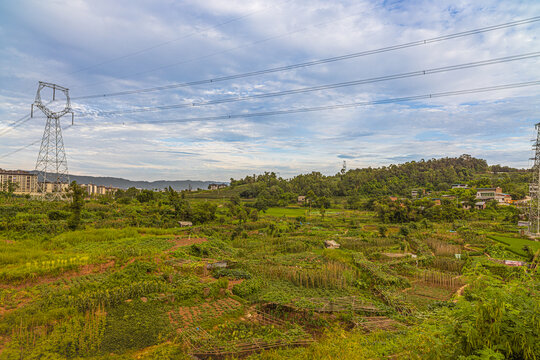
{"points": [[51, 164], [534, 204]]}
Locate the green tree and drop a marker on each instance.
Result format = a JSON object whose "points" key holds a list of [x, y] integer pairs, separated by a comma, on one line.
{"points": [[77, 194]]}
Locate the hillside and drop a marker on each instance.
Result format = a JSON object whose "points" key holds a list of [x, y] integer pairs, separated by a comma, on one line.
{"points": [[432, 175], [149, 185]]}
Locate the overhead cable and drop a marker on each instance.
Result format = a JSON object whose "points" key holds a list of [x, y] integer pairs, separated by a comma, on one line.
{"points": [[343, 106], [318, 62], [330, 86]]}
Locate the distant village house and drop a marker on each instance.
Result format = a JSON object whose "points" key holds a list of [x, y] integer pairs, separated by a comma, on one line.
{"points": [[216, 186], [480, 205], [486, 194]]}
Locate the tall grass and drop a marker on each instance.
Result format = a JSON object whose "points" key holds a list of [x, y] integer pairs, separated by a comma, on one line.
{"points": [[333, 275], [442, 248], [437, 278]]}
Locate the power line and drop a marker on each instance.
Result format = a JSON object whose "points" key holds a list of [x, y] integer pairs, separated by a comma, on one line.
{"points": [[26, 146], [223, 51], [324, 108], [14, 124], [332, 86], [167, 42], [345, 106], [320, 61]]}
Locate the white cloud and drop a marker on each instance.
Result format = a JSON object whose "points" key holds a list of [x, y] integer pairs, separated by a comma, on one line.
{"points": [[53, 40]]}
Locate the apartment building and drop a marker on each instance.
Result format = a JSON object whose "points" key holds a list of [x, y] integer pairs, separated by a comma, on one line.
{"points": [[25, 182]]}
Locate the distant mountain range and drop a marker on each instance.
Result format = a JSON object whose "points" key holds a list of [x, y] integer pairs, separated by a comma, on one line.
{"points": [[150, 185]]}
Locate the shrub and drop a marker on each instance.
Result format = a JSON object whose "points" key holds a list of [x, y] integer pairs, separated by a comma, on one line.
{"points": [[54, 215]]}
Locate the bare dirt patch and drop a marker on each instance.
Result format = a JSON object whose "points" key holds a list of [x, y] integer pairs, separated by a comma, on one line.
{"points": [[396, 255], [83, 270], [181, 241], [234, 282], [189, 316]]}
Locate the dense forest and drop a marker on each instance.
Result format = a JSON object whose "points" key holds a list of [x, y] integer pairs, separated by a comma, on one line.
{"points": [[399, 180]]}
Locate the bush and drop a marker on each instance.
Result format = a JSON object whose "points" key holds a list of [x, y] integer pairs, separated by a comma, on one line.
{"points": [[134, 325], [232, 273], [248, 288], [54, 215]]}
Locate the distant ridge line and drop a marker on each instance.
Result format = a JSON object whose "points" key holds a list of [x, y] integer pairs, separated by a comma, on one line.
{"points": [[122, 183]]}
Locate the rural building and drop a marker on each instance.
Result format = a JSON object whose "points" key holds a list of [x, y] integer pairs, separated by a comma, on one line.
{"points": [[418, 192], [185, 223], [485, 194], [301, 199], [523, 223], [480, 205], [25, 182], [465, 205], [460, 186], [436, 201], [216, 186], [504, 198]]}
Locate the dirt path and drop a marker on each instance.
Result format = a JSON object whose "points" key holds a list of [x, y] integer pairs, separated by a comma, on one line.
{"points": [[468, 247], [459, 292]]}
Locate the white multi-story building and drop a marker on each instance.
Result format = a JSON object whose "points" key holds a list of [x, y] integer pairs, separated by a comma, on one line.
{"points": [[25, 182]]}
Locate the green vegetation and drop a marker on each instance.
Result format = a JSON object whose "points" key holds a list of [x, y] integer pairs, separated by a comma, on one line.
{"points": [[116, 277], [517, 245]]}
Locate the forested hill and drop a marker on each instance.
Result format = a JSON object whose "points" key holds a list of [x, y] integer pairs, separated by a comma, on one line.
{"points": [[434, 174]]}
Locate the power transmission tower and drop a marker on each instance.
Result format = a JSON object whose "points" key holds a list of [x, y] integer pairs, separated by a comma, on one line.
{"points": [[344, 167], [51, 165], [534, 193]]}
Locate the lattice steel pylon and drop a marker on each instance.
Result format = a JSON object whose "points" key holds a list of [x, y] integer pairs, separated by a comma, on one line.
{"points": [[51, 164], [534, 186]]}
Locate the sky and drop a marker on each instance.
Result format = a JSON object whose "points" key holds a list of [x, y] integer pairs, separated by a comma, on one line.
{"points": [[101, 47]]}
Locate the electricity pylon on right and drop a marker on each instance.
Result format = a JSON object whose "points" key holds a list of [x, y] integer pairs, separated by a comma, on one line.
{"points": [[51, 164], [534, 186]]}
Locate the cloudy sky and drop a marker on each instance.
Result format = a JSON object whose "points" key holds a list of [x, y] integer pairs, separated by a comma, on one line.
{"points": [[97, 47]]}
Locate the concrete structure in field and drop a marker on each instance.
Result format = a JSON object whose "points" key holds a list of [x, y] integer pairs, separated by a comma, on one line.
{"points": [[331, 244], [25, 182]]}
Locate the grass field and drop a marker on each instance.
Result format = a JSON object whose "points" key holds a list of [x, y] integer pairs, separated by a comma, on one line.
{"points": [[516, 245], [292, 212]]}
